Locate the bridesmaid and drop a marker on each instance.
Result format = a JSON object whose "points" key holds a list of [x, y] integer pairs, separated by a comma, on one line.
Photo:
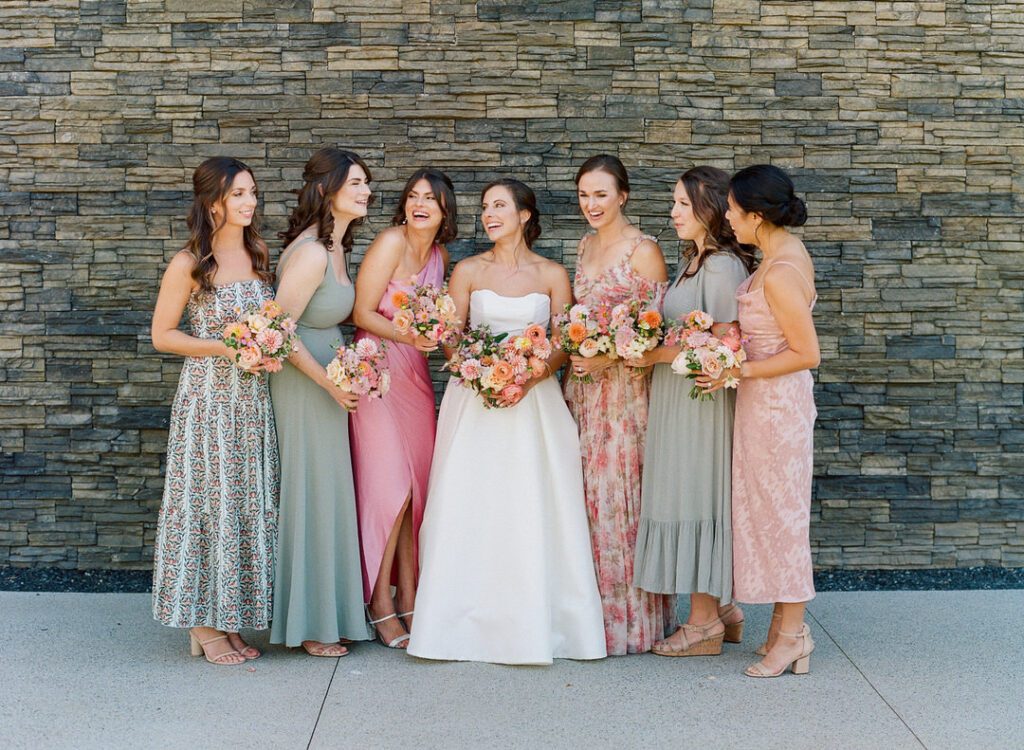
{"points": [[684, 542], [317, 596], [393, 437], [617, 263], [214, 556], [773, 458]]}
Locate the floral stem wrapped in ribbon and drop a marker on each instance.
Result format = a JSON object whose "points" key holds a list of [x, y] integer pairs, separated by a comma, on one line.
{"points": [[361, 368], [428, 311], [261, 339], [586, 332], [703, 353], [498, 366]]}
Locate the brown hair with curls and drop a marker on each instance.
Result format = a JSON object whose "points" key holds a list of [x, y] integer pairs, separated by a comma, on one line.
{"points": [[324, 175], [443, 189], [708, 191], [525, 200], [211, 183]]}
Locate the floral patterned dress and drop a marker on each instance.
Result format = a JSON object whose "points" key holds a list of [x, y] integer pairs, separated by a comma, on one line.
{"points": [[217, 529], [612, 416]]}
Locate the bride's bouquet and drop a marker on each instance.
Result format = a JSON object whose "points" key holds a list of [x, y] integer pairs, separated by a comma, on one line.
{"points": [[361, 368], [637, 328], [498, 366], [586, 332], [428, 311], [264, 337], [703, 353]]}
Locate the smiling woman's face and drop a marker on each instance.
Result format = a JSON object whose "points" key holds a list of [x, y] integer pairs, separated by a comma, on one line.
{"points": [[499, 215]]}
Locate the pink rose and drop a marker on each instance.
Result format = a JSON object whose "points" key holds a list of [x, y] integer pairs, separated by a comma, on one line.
{"points": [[366, 348], [270, 340], [470, 369], [511, 393], [249, 357], [711, 367], [403, 321], [271, 364]]}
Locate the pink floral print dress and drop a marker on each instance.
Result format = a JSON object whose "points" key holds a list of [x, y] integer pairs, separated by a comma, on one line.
{"points": [[612, 416]]}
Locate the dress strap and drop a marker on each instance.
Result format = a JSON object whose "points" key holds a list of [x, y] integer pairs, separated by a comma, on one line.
{"points": [[288, 252], [636, 243], [795, 268]]}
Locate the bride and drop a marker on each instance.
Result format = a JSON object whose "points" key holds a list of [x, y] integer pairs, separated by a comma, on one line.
{"points": [[507, 573]]}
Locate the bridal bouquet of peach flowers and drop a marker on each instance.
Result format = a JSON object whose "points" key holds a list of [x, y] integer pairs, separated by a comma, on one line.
{"points": [[262, 338], [637, 328], [586, 332], [428, 311], [361, 368], [498, 366], [703, 353]]}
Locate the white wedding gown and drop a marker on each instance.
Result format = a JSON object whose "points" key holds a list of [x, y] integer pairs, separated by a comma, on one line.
{"points": [[507, 573]]}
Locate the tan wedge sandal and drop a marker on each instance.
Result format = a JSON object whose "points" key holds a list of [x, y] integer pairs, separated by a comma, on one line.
{"points": [[733, 630], [800, 665], [705, 645]]}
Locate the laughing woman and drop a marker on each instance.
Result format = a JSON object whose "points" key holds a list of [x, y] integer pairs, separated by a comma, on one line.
{"points": [[214, 556], [317, 595], [393, 437], [617, 263]]}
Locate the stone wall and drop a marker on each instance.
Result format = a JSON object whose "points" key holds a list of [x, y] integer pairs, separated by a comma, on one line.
{"points": [[901, 122]]}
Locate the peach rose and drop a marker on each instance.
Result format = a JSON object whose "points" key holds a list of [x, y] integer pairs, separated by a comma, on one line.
{"points": [[511, 394], [502, 372], [249, 357], [402, 321], [535, 333], [589, 348]]}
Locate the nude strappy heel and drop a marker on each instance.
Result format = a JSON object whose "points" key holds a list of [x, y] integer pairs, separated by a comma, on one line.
{"points": [[762, 650], [199, 649], [800, 665], [395, 642]]}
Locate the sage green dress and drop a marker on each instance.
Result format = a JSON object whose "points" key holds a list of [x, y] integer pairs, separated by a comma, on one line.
{"points": [[318, 586], [684, 539]]}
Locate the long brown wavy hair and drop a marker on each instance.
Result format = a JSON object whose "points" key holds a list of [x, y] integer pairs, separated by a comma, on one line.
{"points": [[324, 175], [708, 191], [211, 182]]}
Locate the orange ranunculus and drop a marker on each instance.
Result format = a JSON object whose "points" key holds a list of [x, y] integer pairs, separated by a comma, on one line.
{"points": [[487, 360], [502, 372], [272, 309], [650, 318], [577, 332], [399, 298]]}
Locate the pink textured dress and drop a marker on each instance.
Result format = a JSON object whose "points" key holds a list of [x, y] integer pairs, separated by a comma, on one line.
{"points": [[393, 438], [612, 416], [772, 467]]}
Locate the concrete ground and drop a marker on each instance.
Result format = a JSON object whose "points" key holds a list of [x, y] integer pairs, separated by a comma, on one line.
{"points": [[891, 670]]}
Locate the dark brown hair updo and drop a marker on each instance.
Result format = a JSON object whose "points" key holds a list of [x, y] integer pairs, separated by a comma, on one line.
{"points": [[211, 182], [324, 175], [525, 200], [444, 191], [708, 191], [767, 190], [609, 164]]}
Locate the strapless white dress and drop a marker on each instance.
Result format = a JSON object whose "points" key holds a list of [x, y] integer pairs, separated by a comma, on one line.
{"points": [[506, 568]]}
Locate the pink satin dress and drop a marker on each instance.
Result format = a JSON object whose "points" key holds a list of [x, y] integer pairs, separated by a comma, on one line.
{"points": [[772, 467], [392, 438]]}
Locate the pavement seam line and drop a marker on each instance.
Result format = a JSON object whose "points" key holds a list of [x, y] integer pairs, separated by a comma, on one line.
{"points": [[868, 681], [327, 692]]}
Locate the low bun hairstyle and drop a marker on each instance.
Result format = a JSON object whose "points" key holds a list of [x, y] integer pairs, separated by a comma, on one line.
{"points": [[767, 190], [324, 175], [525, 200]]}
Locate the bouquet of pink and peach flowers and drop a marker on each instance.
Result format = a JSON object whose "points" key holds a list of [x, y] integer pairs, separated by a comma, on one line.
{"points": [[584, 331], [265, 337], [703, 353], [498, 366], [428, 311], [361, 368], [637, 328]]}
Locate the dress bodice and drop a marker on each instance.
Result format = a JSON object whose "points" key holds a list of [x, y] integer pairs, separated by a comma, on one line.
{"points": [[508, 314], [331, 303], [617, 284], [763, 332], [209, 313], [431, 273]]}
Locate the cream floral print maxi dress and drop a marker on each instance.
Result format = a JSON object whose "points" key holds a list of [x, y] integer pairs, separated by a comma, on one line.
{"points": [[612, 416], [216, 534]]}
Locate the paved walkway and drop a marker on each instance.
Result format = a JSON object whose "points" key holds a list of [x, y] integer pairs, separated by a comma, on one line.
{"points": [[891, 670]]}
